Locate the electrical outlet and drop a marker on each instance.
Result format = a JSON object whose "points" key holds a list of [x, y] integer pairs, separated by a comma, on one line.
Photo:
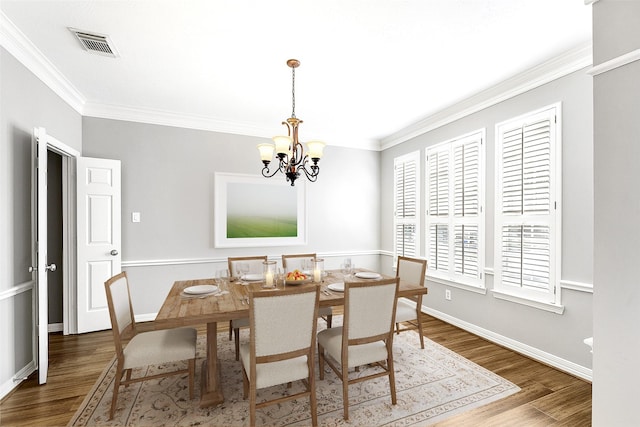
{"points": [[447, 294]]}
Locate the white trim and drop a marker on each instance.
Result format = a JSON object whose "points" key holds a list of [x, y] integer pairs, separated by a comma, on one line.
{"points": [[223, 259], [16, 290], [169, 118], [147, 317], [532, 352], [544, 73], [18, 45], [476, 289], [576, 286], [14, 382], [547, 306], [55, 327], [589, 2], [614, 63], [69, 156]]}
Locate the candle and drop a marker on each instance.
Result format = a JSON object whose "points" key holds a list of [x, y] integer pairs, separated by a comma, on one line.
{"points": [[317, 275], [268, 278]]}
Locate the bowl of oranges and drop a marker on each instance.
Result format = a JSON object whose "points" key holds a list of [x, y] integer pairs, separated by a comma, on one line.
{"points": [[297, 277]]}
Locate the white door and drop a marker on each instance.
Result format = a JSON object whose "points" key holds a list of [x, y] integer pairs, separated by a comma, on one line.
{"points": [[99, 224], [39, 265]]}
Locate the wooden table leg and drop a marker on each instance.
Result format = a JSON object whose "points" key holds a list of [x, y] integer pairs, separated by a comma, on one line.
{"points": [[211, 393]]}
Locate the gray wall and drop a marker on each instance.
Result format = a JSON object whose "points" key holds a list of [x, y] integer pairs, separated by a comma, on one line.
{"points": [[25, 102], [168, 176], [616, 308], [522, 327]]}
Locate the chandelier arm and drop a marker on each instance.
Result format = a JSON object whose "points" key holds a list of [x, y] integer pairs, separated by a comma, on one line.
{"points": [[315, 170], [266, 172]]}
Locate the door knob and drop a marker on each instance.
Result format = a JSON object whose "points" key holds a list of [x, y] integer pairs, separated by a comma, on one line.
{"points": [[32, 269], [114, 252], [51, 267]]}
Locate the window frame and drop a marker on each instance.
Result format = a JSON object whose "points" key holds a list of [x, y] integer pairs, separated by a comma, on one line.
{"points": [[550, 297], [449, 276]]}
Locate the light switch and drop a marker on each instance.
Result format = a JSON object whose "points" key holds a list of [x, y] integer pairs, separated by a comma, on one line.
{"points": [[135, 216]]}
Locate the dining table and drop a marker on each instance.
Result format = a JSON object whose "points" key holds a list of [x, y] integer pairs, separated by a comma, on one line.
{"points": [[179, 310]]}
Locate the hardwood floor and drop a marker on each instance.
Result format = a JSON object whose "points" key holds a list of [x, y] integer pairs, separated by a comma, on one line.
{"points": [[548, 397]]}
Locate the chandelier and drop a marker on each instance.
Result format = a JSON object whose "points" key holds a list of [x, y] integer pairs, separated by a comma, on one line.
{"points": [[290, 154]]}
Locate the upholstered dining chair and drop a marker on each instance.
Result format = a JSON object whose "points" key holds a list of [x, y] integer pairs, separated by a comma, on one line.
{"points": [[365, 338], [282, 345], [411, 270], [294, 261], [255, 265], [144, 348]]}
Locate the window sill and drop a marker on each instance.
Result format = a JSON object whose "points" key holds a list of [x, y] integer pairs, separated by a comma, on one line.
{"points": [[470, 288], [554, 308]]}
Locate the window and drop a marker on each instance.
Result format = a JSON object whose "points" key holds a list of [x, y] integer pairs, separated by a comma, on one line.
{"points": [[406, 186], [527, 221], [454, 215]]}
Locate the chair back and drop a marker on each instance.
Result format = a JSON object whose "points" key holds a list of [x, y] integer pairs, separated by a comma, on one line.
{"points": [[283, 323], [120, 309], [294, 261], [370, 310], [411, 270], [255, 263]]}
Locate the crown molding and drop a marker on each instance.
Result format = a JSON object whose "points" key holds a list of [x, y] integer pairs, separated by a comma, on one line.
{"points": [[560, 66], [614, 63], [18, 45], [169, 118]]}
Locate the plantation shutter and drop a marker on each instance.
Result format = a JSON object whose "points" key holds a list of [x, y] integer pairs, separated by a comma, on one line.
{"points": [[406, 205], [438, 168], [526, 209], [466, 195], [454, 216]]}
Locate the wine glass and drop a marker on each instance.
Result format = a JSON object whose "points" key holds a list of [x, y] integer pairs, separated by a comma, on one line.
{"points": [[243, 269], [222, 279]]}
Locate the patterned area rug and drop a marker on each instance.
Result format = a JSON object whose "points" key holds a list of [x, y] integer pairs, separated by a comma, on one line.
{"points": [[432, 384]]}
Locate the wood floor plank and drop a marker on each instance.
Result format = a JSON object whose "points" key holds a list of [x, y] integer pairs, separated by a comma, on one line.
{"points": [[548, 397]]}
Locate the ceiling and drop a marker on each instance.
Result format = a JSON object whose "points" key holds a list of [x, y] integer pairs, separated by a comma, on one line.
{"points": [[369, 68]]}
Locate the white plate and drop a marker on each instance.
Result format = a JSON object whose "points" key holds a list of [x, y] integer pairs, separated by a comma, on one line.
{"points": [[200, 289], [252, 277], [338, 287], [368, 275]]}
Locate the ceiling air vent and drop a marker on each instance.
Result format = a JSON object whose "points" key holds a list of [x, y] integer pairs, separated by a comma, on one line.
{"points": [[95, 43]]}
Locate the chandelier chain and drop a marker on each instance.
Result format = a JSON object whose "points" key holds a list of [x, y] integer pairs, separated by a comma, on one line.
{"points": [[293, 92]]}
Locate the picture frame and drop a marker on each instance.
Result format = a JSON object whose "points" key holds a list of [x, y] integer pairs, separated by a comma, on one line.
{"points": [[254, 211]]}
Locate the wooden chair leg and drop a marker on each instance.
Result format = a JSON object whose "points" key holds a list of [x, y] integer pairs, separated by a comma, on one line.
{"points": [[252, 405], [230, 332], [245, 384], [320, 362], [312, 396], [397, 328], [236, 333], [345, 392], [329, 320], [116, 387], [192, 377], [392, 379], [421, 332]]}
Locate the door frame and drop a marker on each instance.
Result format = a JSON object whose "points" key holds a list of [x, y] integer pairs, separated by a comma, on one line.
{"points": [[69, 244]]}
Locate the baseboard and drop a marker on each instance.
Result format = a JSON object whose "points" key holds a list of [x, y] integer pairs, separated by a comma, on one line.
{"points": [[14, 382], [148, 317], [55, 327], [532, 352]]}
